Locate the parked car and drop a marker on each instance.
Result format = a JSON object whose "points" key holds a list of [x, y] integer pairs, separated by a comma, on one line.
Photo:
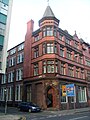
{"points": [[29, 106]]}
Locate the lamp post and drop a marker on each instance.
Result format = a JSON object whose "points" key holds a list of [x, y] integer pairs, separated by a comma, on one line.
{"points": [[5, 92]]}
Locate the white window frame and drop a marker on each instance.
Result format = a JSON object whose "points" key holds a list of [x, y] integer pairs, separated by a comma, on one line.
{"points": [[20, 58], [18, 95], [21, 47], [9, 98], [3, 81], [2, 93], [11, 76], [13, 51], [19, 74], [11, 61], [85, 99]]}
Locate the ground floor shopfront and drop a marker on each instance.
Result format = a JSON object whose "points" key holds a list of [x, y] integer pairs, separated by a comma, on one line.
{"points": [[48, 94]]}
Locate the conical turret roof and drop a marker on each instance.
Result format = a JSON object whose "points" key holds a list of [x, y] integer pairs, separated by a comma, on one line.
{"points": [[48, 15], [48, 12]]}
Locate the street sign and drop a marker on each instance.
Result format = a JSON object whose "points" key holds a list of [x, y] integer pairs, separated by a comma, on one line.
{"points": [[70, 91]]}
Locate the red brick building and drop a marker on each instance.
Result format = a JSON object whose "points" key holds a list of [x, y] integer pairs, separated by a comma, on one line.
{"points": [[50, 58]]}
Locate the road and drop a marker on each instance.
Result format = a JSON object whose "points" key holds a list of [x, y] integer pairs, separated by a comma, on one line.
{"points": [[49, 115], [80, 116]]}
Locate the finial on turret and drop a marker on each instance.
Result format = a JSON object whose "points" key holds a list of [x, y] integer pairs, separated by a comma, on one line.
{"points": [[75, 31], [48, 2]]}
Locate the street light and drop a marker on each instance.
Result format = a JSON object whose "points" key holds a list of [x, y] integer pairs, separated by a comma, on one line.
{"points": [[5, 92]]}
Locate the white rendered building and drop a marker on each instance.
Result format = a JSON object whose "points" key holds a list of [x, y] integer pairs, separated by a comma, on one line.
{"points": [[5, 15]]}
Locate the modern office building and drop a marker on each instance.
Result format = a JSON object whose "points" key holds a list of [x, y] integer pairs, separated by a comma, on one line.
{"points": [[5, 15], [50, 68]]}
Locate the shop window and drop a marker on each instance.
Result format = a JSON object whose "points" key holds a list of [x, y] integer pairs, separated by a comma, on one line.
{"points": [[82, 94]]}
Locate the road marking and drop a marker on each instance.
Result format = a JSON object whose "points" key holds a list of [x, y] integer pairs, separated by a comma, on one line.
{"points": [[78, 118]]}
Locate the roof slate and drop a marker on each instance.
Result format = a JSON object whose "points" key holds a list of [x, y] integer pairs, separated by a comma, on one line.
{"points": [[48, 12]]}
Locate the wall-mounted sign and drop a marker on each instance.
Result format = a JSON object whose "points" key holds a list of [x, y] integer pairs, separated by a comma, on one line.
{"points": [[70, 90], [63, 90]]}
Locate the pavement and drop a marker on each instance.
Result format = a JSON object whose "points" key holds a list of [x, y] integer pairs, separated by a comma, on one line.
{"points": [[14, 116]]}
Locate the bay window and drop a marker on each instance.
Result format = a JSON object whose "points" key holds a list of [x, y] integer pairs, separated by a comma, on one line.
{"points": [[50, 66], [48, 31], [49, 48]]}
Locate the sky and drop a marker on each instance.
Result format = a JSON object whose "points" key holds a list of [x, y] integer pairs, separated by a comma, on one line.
{"points": [[74, 15]]}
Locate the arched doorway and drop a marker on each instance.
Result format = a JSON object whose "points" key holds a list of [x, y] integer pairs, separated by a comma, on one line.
{"points": [[49, 97]]}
